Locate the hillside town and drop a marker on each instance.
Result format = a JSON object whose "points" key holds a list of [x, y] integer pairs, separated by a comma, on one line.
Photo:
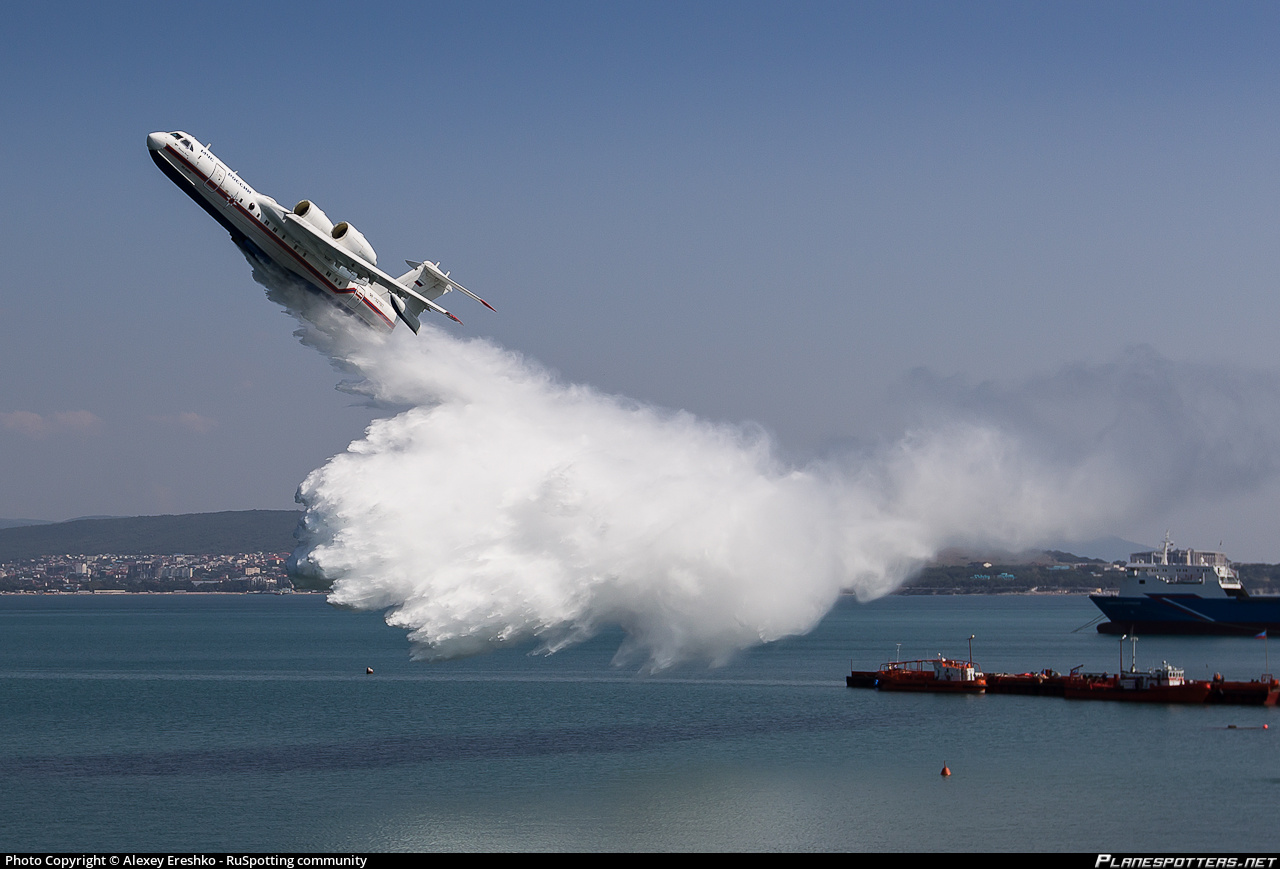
{"points": [[260, 572], [106, 574]]}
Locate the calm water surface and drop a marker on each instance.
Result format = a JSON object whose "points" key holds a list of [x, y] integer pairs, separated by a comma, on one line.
{"points": [[248, 723]]}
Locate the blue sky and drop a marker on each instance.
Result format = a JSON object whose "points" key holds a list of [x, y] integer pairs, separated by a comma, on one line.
{"points": [[764, 212]]}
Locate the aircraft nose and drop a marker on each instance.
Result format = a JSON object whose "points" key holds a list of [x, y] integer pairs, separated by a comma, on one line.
{"points": [[155, 141]]}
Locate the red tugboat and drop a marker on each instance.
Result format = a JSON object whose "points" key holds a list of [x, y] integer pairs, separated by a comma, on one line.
{"points": [[939, 674], [1163, 684]]}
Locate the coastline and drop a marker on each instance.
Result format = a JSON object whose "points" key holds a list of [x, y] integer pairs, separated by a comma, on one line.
{"points": [[113, 592]]}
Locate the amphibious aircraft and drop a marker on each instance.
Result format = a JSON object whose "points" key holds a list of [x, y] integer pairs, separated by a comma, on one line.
{"points": [[333, 260]]}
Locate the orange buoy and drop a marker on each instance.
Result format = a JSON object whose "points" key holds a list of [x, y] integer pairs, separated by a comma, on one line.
{"points": [[946, 770]]}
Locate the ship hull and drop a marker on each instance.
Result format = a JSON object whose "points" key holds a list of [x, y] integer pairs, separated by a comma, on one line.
{"points": [[1028, 684], [1111, 689], [935, 686], [1257, 693], [1187, 614], [862, 678]]}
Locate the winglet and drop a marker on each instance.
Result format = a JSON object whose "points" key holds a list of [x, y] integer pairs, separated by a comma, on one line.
{"points": [[469, 293]]}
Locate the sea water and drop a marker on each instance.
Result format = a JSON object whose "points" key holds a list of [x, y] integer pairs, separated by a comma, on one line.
{"points": [[249, 723]]}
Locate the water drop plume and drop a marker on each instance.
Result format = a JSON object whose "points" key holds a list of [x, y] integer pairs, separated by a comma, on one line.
{"points": [[503, 505], [494, 504]]}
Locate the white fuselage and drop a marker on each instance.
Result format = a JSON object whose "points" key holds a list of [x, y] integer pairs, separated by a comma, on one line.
{"points": [[256, 223]]}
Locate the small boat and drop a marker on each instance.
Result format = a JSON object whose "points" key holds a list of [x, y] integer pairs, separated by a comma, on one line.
{"points": [[943, 675]]}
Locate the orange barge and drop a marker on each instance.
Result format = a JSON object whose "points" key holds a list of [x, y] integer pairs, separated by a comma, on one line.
{"points": [[1259, 692], [1164, 684], [1046, 683]]}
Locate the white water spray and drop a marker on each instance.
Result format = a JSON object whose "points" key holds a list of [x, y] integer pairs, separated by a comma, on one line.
{"points": [[497, 505]]}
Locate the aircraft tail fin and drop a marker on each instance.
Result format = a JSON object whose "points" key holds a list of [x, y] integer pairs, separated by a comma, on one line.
{"points": [[421, 279], [421, 286], [427, 279]]}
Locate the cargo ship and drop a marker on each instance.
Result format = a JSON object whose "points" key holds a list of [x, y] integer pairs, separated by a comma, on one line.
{"points": [[1184, 591]]}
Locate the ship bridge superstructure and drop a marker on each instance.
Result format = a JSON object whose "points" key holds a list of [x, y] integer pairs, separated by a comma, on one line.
{"points": [[1181, 571]]}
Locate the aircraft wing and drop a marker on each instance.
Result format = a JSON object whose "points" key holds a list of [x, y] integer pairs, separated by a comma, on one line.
{"points": [[361, 270]]}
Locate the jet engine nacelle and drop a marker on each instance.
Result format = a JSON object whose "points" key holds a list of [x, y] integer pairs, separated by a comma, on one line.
{"points": [[313, 216], [349, 237]]}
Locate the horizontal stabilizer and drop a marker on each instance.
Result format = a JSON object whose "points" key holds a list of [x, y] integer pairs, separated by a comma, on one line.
{"points": [[418, 301]]}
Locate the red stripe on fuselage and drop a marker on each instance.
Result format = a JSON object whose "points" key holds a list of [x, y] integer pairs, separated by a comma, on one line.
{"points": [[336, 290]]}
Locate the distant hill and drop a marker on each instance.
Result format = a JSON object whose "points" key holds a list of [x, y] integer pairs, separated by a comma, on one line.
{"points": [[1106, 548], [1103, 549], [19, 523], [190, 533]]}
